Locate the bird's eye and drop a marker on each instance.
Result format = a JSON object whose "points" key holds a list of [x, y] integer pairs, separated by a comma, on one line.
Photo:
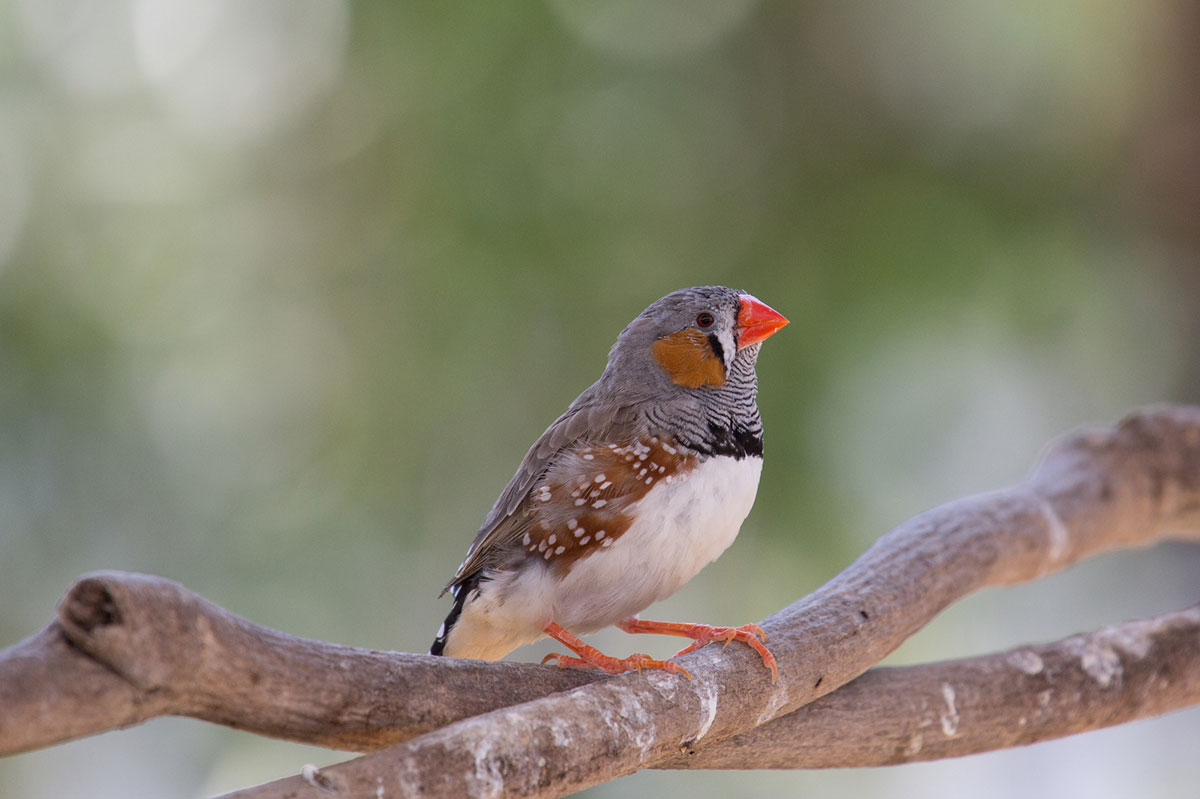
{"points": [[705, 319]]}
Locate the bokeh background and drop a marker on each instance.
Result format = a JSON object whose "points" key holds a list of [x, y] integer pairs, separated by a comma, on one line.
{"points": [[288, 286]]}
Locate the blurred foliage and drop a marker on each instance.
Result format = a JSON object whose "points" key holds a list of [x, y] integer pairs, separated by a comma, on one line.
{"points": [[288, 286]]}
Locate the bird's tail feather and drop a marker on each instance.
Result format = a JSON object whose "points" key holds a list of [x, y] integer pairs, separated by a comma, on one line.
{"points": [[459, 591]]}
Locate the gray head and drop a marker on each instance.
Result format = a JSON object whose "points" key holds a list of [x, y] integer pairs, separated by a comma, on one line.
{"points": [[692, 340]]}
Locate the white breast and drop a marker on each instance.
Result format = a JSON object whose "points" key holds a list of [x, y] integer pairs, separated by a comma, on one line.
{"points": [[680, 528]]}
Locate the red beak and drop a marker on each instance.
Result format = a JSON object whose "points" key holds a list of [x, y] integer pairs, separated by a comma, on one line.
{"points": [[757, 320]]}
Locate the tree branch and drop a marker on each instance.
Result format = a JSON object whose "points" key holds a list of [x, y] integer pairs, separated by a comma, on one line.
{"points": [[1029, 694], [886, 716], [128, 647], [1095, 491], [125, 648], [363, 700]]}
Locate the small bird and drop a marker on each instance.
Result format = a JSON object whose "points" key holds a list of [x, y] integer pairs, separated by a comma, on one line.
{"points": [[641, 483]]}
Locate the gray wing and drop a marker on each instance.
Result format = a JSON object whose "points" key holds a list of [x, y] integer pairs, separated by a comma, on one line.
{"points": [[586, 420]]}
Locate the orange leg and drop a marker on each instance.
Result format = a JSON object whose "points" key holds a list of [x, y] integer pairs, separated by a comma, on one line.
{"points": [[592, 658], [702, 634]]}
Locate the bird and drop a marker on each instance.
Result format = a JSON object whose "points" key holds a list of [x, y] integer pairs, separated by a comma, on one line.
{"points": [[645, 479]]}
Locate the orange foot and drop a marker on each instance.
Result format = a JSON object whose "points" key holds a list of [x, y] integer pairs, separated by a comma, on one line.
{"points": [[702, 634], [592, 658]]}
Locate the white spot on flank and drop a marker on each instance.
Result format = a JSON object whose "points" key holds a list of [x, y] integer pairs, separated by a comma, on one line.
{"points": [[584, 540], [600, 478], [572, 524], [607, 542], [587, 456], [579, 531], [606, 485], [599, 535], [579, 502], [542, 545], [669, 449], [559, 550], [649, 480], [550, 541], [600, 503], [525, 539], [548, 554], [950, 717]]}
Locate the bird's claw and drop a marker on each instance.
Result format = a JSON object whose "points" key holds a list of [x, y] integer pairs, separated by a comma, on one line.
{"points": [[750, 634], [613, 665]]}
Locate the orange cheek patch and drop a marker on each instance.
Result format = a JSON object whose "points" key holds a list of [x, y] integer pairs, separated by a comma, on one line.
{"points": [[689, 360]]}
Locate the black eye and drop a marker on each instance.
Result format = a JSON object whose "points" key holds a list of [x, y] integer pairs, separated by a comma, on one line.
{"points": [[705, 319]]}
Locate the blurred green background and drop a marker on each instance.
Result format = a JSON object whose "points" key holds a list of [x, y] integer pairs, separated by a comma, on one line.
{"points": [[288, 286]]}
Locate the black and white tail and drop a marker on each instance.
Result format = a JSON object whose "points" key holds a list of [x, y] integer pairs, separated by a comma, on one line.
{"points": [[460, 592]]}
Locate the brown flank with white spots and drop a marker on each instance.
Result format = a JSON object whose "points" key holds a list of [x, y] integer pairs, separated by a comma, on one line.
{"points": [[597, 492]]}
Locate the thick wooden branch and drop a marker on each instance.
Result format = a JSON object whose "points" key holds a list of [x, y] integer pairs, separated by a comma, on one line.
{"points": [[1095, 491], [886, 716], [154, 663], [1033, 693], [128, 647]]}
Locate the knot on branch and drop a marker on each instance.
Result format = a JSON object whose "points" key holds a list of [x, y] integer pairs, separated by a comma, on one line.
{"points": [[88, 605], [143, 628]]}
